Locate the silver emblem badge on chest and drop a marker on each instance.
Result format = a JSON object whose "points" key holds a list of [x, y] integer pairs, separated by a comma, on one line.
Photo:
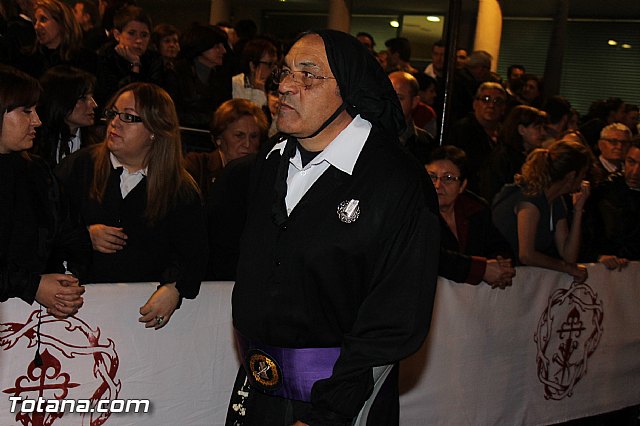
{"points": [[349, 211]]}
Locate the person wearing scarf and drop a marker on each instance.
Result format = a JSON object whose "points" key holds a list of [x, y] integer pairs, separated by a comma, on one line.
{"points": [[339, 256]]}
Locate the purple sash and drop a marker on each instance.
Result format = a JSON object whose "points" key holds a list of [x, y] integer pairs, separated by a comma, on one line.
{"points": [[286, 372]]}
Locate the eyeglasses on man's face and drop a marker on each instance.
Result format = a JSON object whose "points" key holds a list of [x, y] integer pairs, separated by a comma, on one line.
{"points": [[489, 100], [125, 117], [446, 179], [617, 141], [301, 78]]}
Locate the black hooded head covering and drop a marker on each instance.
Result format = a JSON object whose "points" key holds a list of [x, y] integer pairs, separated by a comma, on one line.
{"points": [[364, 86], [365, 89]]}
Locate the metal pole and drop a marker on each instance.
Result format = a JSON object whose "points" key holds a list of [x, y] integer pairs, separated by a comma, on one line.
{"points": [[555, 54], [451, 36]]}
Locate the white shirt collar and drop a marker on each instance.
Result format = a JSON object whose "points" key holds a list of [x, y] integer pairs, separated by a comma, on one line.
{"points": [[115, 164], [342, 152]]}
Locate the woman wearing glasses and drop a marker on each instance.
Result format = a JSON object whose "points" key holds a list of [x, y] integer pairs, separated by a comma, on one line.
{"points": [[259, 59], [143, 210], [67, 110], [469, 229]]}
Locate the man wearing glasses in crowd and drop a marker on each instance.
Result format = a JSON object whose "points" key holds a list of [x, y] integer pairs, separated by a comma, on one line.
{"points": [[613, 144], [339, 256], [477, 133]]}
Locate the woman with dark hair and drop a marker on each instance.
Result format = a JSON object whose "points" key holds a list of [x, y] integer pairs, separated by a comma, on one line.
{"points": [[30, 225], [166, 40], [237, 129], [142, 208], [532, 213], [60, 37], [128, 59], [259, 58], [203, 83], [522, 132], [66, 107], [468, 228]]}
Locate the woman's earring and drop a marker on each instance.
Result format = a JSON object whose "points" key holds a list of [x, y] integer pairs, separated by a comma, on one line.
{"points": [[152, 137]]}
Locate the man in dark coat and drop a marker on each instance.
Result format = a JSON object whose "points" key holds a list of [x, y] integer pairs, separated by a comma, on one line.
{"points": [[339, 256], [612, 227]]}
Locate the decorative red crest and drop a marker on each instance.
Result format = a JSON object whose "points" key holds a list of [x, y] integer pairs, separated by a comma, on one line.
{"points": [[568, 333], [65, 341]]}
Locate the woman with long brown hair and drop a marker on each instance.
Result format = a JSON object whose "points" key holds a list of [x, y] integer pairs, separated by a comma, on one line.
{"points": [[143, 210]]}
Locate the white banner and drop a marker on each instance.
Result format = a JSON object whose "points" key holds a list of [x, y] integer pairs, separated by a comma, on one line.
{"points": [[185, 369], [538, 352]]}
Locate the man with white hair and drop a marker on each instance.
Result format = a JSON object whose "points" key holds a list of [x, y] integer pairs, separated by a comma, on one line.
{"points": [[612, 224], [613, 144]]}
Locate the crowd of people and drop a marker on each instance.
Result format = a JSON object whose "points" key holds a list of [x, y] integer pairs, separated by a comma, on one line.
{"points": [[521, 180]]}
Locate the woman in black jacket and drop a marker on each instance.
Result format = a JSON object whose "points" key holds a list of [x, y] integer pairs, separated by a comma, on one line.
{"points": [[142, 208], [30, 214], [67, 111]]}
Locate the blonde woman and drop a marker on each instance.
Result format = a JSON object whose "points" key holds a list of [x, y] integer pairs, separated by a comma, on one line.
{"points": [[60, 37], [533, 215]]}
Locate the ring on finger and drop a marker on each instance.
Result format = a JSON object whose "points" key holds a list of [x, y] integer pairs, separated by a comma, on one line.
{"points": [[159, 320]]}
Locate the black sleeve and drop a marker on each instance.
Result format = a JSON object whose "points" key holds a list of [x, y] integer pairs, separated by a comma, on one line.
{"points": [[188, 235], [494, 242], [226, 214], [16, 282]]}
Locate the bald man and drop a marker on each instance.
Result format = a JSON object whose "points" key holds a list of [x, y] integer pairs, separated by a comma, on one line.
{"points": [[417, 141]]}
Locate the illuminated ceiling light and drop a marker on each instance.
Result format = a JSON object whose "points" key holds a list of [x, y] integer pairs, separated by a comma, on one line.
{"points": [[612, 43], [626, 46], [433, 18], [394, 23]]}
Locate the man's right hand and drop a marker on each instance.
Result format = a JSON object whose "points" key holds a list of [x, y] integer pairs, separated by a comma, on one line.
{"points": [[107, 239], [61, 294]]}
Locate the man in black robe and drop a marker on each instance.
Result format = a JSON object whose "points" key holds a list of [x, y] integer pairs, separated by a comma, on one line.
{"points": [[338, 260]]}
